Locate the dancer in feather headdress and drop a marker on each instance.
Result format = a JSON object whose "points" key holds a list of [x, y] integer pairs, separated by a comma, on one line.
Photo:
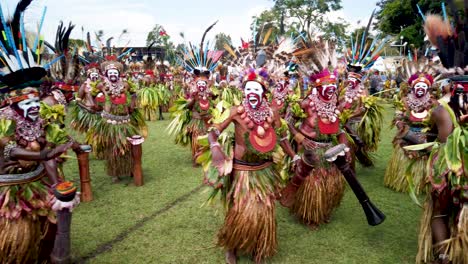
{"points": [[29, 179], [193, 112], [317, 187], [121, 121], [250, 224], [362, 116], [65, 73], [409, 120], [443, 236]]}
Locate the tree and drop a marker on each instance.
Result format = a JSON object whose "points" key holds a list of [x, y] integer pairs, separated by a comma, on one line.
{"points": [[158, 36], [77, 43], [221, 39], [308, 13], [401, 17]]}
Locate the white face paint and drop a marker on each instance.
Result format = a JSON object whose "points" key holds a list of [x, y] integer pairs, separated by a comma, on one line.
{"points": [[201, 85], [420, 89], [94, 76], [253, 92], [113, 75], [352, 82], [30, 107], [328, 90]]}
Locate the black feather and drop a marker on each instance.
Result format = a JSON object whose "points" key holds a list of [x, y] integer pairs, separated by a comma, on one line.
{"points": [[66, 37], [88, 42], [203, 38], [366, 32], [50, 46], [15, 23], [108, 45]]}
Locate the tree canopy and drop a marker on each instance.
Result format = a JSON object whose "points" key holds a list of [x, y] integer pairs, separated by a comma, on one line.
{"points": [[220, 40], [401, 17]]}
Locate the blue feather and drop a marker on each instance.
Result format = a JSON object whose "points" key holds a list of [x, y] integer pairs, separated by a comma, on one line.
{"points": [[421, 13], [125, 53], [36, 41], [23, 32], [47, 66], [12, 42], [444, 11]]}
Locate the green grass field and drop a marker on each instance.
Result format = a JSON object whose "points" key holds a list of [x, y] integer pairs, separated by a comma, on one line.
{"points": [[164, 220]]}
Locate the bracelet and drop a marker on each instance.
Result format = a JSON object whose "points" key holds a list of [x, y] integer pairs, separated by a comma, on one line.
{"points": [[216, 144], [296, 158], [8, 148]]}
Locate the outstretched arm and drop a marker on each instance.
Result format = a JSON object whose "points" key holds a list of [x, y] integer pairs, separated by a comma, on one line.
{"points": [[218, 157]]}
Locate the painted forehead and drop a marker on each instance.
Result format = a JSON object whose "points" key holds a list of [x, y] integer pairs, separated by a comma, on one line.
{"points": [[252, 84]]}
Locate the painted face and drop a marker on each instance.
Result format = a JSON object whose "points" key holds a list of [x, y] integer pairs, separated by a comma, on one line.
{"points": [[282, 84], [253, 91], [327, 91], [201, 85], [420, 89], [113, 75], [29, 108], [352, 82], [94, 76]]}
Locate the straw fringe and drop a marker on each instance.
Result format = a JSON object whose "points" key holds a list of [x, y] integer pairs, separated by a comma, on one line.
{"points": [[250, 224], [395, 174], [425, 234], [20, 239], [318, 195]]}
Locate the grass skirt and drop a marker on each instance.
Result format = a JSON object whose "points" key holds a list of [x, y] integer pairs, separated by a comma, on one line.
{"points": [[456, 246], [112, 139], [319, 194], [82, 121], [81, 118], [250, 224], [398, 167], [27, 228], [148, 102], [21, 240], [196, 128]]}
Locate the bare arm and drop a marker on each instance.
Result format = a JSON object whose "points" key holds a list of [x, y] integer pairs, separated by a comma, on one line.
{"points": [[444, 123]]}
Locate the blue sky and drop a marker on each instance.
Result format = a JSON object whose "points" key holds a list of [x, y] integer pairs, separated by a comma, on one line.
{"points": [[139, 16]]}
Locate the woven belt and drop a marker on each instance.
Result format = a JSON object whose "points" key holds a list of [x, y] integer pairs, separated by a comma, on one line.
{"points": [[250, 166], [116, 118], [20, 178]]}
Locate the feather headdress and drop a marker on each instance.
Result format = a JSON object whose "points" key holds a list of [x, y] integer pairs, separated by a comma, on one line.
{"points": [[319, 58], [200, 60], [422, 69], [66, 72], [364, 50], [21, 65]]}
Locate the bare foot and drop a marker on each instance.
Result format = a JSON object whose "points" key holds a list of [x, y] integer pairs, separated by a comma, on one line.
{"points": [[231, 257]]}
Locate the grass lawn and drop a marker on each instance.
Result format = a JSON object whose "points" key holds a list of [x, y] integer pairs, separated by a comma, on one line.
{"points": [[164, 220]]}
